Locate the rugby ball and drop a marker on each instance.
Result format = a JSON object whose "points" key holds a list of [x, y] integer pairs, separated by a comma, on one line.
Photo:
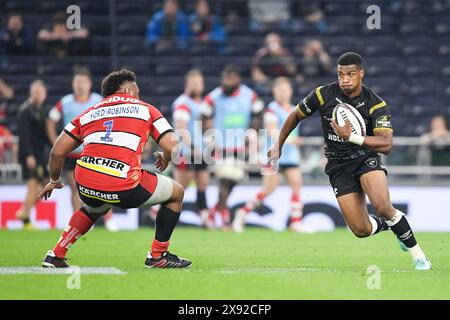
{"points": [[345, 111]]}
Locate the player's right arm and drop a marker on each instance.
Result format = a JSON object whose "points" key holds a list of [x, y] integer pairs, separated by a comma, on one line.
{"points": [[313, 101], [67, 141], [162, 133], [54, 117]]}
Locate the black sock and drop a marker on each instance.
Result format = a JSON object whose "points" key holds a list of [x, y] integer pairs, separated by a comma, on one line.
{"points": [[381, 224], [166, 220], [26, 220], [201, 200], [404, 233]]}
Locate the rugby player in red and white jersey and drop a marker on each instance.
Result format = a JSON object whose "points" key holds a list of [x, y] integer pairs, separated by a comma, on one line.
{"points": [[109, 172]]}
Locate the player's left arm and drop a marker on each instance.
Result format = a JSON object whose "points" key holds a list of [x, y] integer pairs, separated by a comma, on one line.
{"points": [[383, 133], [381, 141], [163, 134]]}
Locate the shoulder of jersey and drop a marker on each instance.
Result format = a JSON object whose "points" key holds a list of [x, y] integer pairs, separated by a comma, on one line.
{"points": [[372, 95], [181, 99], [245, 87], [96, 96], [272, 105], [67, 98], [326, 92], [215, 93]]}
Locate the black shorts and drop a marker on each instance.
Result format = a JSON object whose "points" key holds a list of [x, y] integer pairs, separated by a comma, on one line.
{"points": [[39, 173], [344, 174], [202, 165], [125, 199], [283, 167], [69, 164]]}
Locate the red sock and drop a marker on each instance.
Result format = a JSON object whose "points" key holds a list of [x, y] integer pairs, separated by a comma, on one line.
{"points": [[296, 208], [226, 216], [158, 248], [252, 204], [78, 225], [212, 212]]}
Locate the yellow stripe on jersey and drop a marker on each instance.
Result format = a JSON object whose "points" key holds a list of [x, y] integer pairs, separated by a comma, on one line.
{"points": [[382, 128], [98, 198], [98, 168], [300, 111], [319, 96], [377, 106]]}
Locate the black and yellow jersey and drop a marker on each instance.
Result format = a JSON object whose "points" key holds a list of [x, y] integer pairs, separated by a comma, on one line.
{"points": [[372, 108]]}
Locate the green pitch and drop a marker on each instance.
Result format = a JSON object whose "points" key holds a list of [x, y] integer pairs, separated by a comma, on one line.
{"points": [[258, 264]]}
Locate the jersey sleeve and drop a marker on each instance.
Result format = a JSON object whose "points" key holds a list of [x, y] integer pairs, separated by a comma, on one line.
{"points": [[257, 103], [73, 129], [270, 118], [159, 126], [182, 112], [55, 113], [311, 103], [379, 113], [207, 107]]}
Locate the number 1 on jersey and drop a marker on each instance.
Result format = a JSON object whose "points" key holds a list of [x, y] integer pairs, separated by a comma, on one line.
{"points": [[109, 125]]}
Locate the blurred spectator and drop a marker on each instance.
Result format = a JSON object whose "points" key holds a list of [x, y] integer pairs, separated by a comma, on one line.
{"points": [[168, 28], [270, 62], [266, 14], [60, 41], [7, 145], [231, 107], [66, 109], [231, 10], [16, 38], [206, 27], [315, 61], [436, 143], [310, 14], [33, 147], [6, 94]]}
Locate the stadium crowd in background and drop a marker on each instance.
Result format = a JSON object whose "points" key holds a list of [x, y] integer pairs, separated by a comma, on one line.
{"points": [[207, 27], [6, 94], [435, 149], [8, 146], [171, 28], [16, 37], [168, 29], [56, 39], [271, 61]]}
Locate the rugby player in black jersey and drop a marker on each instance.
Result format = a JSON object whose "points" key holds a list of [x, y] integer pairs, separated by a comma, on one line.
{"points": [[354, 166]]}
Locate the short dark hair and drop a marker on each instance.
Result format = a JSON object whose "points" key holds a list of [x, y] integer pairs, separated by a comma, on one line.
{"points": [[82, 71], [59, 18], [349, 58], [230, 69], [193, 72], [112, 82], [15, 14]]}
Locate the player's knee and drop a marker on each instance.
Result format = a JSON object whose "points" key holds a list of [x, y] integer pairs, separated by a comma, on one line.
{"points": [[361, 231], [383, 209], [177, 192]]}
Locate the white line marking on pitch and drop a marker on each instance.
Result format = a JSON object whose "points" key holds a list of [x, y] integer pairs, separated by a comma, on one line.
{"points": [[297, 270], [45, 271]]}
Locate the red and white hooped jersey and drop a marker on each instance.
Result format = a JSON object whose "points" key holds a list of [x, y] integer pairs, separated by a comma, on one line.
{"points": [[114, 132]]}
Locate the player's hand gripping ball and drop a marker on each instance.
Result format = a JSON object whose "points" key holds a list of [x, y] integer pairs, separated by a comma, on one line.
{"points": [[344, 112]]}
